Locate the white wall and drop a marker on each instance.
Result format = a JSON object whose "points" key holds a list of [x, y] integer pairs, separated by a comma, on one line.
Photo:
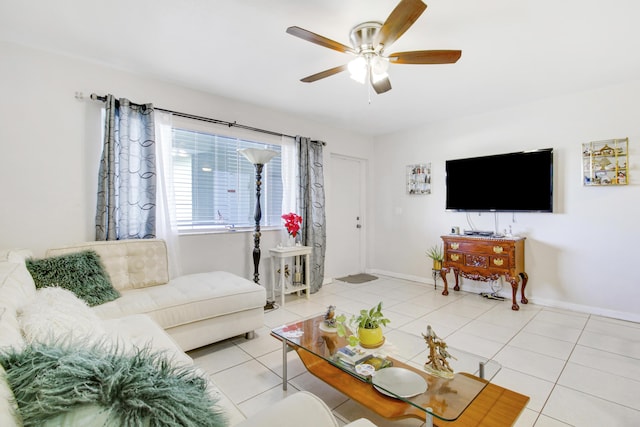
{"points": [[50, 147], [582, 256]]}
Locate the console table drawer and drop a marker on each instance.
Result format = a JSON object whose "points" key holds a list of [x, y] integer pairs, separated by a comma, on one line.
{"points": [[500, 263], [455, 258], [480, 247]]}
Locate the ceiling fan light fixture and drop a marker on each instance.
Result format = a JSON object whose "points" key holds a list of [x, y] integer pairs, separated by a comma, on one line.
{"points": [[358, 69], [378, 77], [379, 67]]}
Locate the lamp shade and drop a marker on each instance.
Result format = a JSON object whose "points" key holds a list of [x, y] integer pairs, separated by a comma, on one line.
{"points": [[258, 156]]}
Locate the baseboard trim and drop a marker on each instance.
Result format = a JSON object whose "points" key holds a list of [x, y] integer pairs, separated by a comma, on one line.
{"points": [[396, 275], [598, 311], [506, 293]]}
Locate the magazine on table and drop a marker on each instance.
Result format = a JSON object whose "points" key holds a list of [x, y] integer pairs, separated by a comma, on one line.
{"points": [[352, 355], [356, 359]]}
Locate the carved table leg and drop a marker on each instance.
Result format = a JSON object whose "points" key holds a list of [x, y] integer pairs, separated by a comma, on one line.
{"points": [[443, 274], [455, 273], [525, 279], [514, 290]]}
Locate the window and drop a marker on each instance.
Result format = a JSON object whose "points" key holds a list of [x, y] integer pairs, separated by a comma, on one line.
{"points": [[214, 185]]}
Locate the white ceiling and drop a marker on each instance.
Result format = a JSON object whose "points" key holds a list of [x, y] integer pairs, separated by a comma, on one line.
{"points": [[513, 51]]}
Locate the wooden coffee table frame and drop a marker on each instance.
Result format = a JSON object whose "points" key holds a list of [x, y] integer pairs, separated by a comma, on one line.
{"points": [[494, 406]]}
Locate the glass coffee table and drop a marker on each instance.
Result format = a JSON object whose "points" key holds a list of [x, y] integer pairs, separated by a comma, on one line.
{"points": [[465, 397]]}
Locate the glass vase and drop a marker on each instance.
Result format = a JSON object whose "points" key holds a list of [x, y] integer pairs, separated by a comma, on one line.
{"points": [[287, 240]]}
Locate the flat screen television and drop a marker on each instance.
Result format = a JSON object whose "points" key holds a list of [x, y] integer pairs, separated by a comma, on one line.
{"points": [[511, 182]]}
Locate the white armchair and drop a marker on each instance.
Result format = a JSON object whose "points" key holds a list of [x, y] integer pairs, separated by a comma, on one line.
{"points": [[300, 409]]}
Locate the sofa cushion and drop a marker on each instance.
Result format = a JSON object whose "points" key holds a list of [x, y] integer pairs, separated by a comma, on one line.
{"points": [[138, 331], [82, 273], [187, 299], [131, 264], [9, 416], [15, 255], [16, 289], [10, 335], [56, 312], [16, 284]]}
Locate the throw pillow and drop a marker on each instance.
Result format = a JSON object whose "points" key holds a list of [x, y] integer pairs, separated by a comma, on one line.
{"points": [[64, 380], [55, 313], [81, 272], [10, 334]]}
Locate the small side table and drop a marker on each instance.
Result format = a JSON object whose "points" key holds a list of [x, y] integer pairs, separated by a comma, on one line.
{"points": [[282, 254]]}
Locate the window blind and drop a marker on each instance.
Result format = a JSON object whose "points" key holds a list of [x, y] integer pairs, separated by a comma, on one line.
{"points": [[215, 185]]}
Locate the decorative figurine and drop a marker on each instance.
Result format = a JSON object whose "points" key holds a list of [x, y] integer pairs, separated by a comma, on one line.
{"points": [[438, 354], [286, 271], [330, 317]]}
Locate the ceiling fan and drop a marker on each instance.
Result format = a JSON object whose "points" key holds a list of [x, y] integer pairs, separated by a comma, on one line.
{"points": [[370, 39]]}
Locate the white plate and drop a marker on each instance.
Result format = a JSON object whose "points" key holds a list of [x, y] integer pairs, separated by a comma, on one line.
{"points": [[399, 381]]}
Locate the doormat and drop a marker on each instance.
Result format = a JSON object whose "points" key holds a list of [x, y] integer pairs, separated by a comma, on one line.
{"points": [[357, 278]]}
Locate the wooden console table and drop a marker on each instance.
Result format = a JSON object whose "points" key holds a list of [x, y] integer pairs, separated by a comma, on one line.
{"points": [[485, 259]]}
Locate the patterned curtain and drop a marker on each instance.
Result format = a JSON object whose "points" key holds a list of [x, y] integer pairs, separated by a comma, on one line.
{"points": [[126, 207], [311, 205]]}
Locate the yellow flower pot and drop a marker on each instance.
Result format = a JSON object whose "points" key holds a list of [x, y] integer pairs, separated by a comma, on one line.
{"points": [[370, 338], [437, 264]]}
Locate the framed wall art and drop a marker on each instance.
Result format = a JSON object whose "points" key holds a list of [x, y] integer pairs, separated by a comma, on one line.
{"points": [[605, 162], [419, 179]]}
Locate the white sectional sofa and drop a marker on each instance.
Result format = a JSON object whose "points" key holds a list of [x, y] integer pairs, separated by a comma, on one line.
{"points": [[195, 309], [19, 300]]}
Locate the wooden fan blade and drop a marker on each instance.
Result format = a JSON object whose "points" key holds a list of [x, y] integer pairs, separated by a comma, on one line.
{"points": [[401, 18], [318, 39], [381, 86], [425, 57], [323, 74]]}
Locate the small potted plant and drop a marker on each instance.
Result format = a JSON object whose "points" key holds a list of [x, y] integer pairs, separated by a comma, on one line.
{"points": [[436, 254], [368, 325]]}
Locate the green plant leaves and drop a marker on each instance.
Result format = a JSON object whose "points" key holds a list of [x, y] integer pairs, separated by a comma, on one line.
{"points": [[367, 319]]}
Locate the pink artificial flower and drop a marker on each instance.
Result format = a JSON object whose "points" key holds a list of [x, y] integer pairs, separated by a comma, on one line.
{"points": [[292, 223]]}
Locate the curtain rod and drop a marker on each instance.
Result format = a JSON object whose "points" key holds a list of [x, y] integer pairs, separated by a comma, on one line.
{"points": [[96, 97]]}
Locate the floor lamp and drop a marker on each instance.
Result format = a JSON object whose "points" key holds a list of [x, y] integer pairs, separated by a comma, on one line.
{"points": [[259, 158]]}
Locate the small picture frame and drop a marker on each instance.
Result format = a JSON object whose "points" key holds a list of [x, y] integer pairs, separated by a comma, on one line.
{"points": [[419, 179]]}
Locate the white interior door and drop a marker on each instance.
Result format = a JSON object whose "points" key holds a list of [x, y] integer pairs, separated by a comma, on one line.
{"points": [[345, 230]]}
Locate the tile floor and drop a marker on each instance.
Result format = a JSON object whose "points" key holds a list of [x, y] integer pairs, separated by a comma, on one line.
{"points": [[578, 369]]}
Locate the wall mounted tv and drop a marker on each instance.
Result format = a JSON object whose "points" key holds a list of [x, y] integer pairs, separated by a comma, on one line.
{"points": [[512, 182]]}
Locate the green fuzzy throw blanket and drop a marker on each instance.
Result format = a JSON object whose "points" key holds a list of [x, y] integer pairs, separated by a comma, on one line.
{"points": [[141, 389]]}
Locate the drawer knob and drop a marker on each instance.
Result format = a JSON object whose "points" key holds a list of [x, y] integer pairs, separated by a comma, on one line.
{"points": [[455, 257], [498, 249], [455, 246], [498, 261]]}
